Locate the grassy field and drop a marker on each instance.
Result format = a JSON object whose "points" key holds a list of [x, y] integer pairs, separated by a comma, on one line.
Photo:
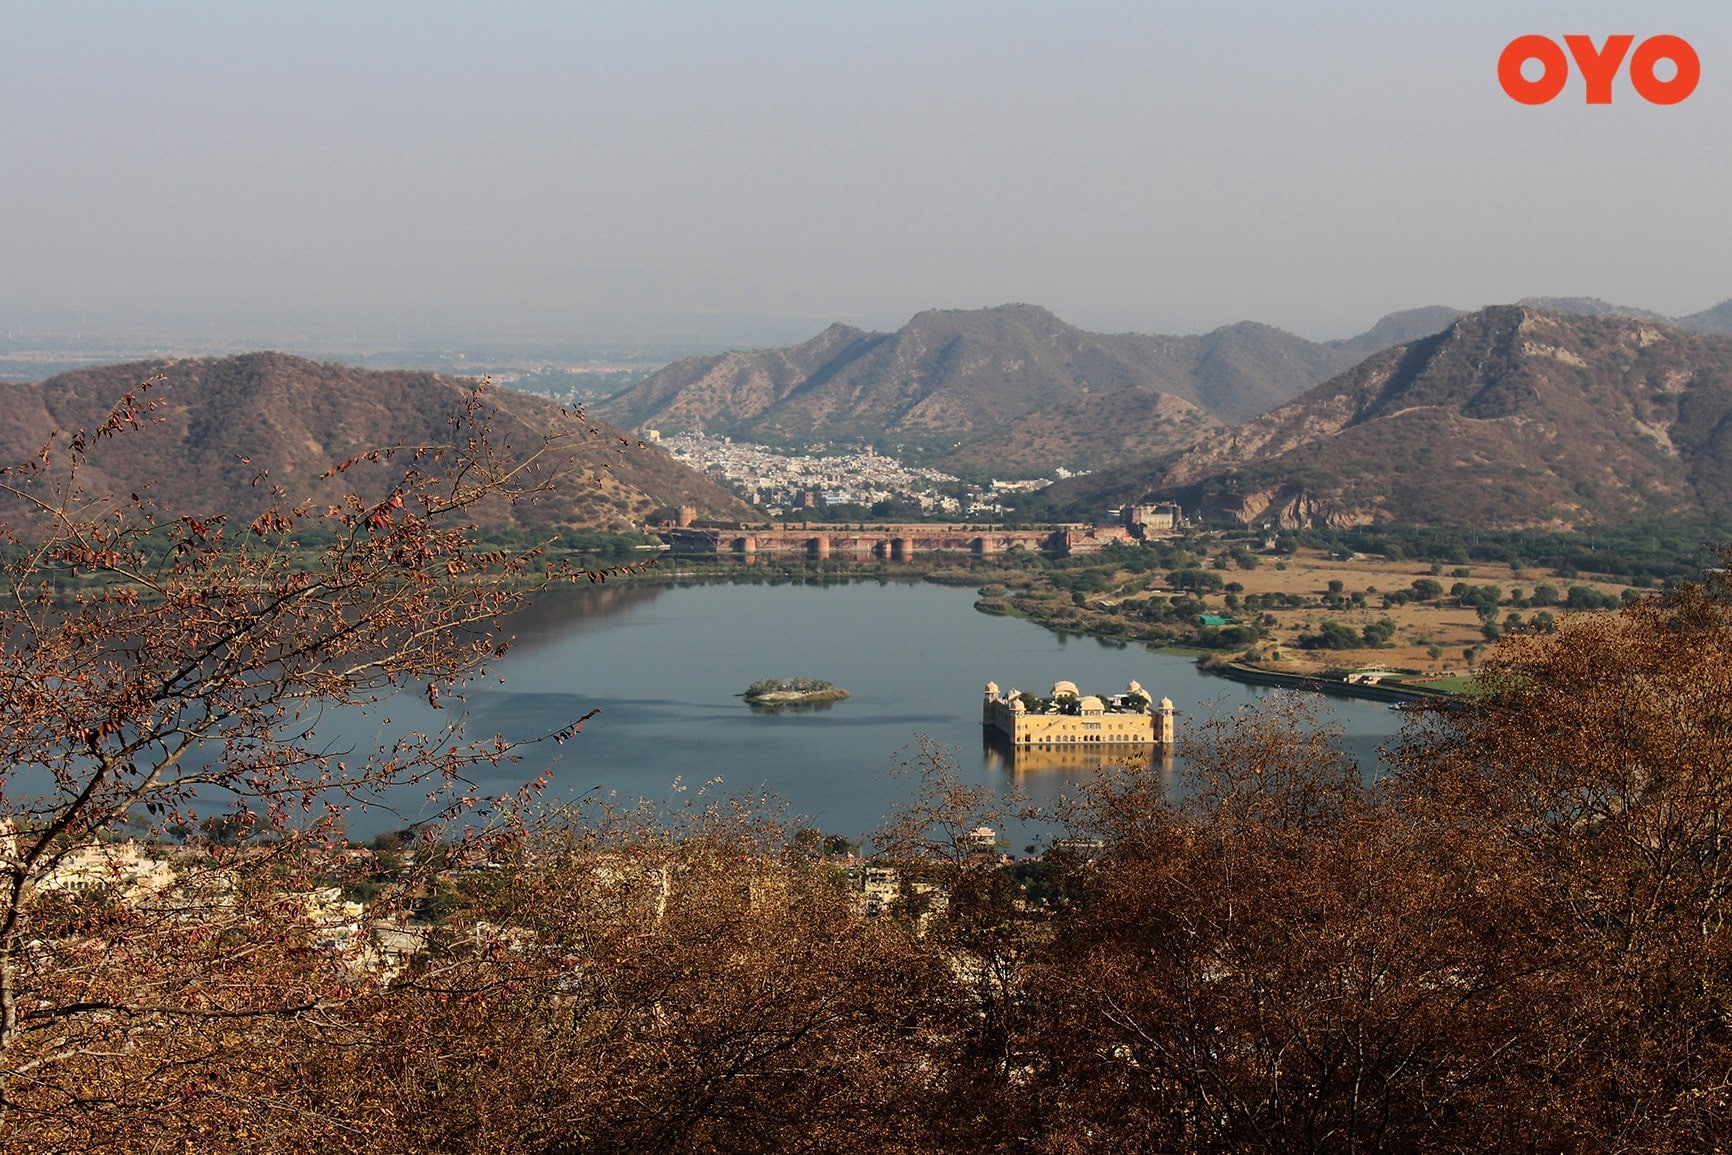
{"points": [[1431, 637], [1452, 685]]}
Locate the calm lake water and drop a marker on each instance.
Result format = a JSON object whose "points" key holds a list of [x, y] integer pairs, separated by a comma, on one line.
{"points": [[665, 665]]}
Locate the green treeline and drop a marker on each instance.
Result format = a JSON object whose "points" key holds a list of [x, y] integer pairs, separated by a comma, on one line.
{"points": [[1642, 554], [765, 686]]}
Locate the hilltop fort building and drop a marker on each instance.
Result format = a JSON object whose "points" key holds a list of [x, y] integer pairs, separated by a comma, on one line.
{"points": [[1149, 520]]}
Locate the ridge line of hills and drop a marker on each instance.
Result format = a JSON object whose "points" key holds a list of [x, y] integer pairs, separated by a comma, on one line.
{"points": [[1014, 390], [295, 417], [1513, 417], [1006, 388]]}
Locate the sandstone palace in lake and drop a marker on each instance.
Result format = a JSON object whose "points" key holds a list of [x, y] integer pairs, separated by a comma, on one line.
{"points": [[1066, 717]]}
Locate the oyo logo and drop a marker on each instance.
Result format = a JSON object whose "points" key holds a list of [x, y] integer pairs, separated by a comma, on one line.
{"points": [[1599, 67]]}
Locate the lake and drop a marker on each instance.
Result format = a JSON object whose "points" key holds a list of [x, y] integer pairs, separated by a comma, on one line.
{"points": [[664, 664]]}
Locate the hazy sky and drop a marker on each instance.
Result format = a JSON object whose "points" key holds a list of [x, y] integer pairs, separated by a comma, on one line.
{"points": [[622, 167]]}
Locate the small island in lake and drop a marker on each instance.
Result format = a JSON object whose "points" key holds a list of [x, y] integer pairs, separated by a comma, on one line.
{"points": [[791, 691]]}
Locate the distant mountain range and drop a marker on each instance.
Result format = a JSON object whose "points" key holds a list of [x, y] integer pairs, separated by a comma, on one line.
{"points": [[1423, 322], [1552, 412], [1011, 389], [296, 417], [1015, 390], [1514, 416], [1399, 328]]}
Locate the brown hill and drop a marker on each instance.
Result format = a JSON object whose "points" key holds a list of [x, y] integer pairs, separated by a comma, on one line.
{"points": [[1593, 307], [1399, 328], [1095, 431], [1717, 319], [1238, 371], [1512, 417], [960, 387], [295, 418], [722, 393], [1411, 324], [1714, 320]]}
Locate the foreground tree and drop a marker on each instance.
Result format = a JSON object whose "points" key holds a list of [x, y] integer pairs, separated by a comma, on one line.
{"points": [[1518, 941], [171, 671], [647, 982], [1597, 771], [1266, 963]]}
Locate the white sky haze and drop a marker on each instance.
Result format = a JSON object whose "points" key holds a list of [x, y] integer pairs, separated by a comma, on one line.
{"points": [[596, 168]]}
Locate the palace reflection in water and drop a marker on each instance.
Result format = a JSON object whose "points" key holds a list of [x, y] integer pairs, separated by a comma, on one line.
{"points": [[1005, 757]]}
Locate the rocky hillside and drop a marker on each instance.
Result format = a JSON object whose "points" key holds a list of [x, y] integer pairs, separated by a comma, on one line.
{"points": [[1593, 307], [1717, 319], [1013, 386], [295, 418], [1097, 430], [1512, 417]]}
